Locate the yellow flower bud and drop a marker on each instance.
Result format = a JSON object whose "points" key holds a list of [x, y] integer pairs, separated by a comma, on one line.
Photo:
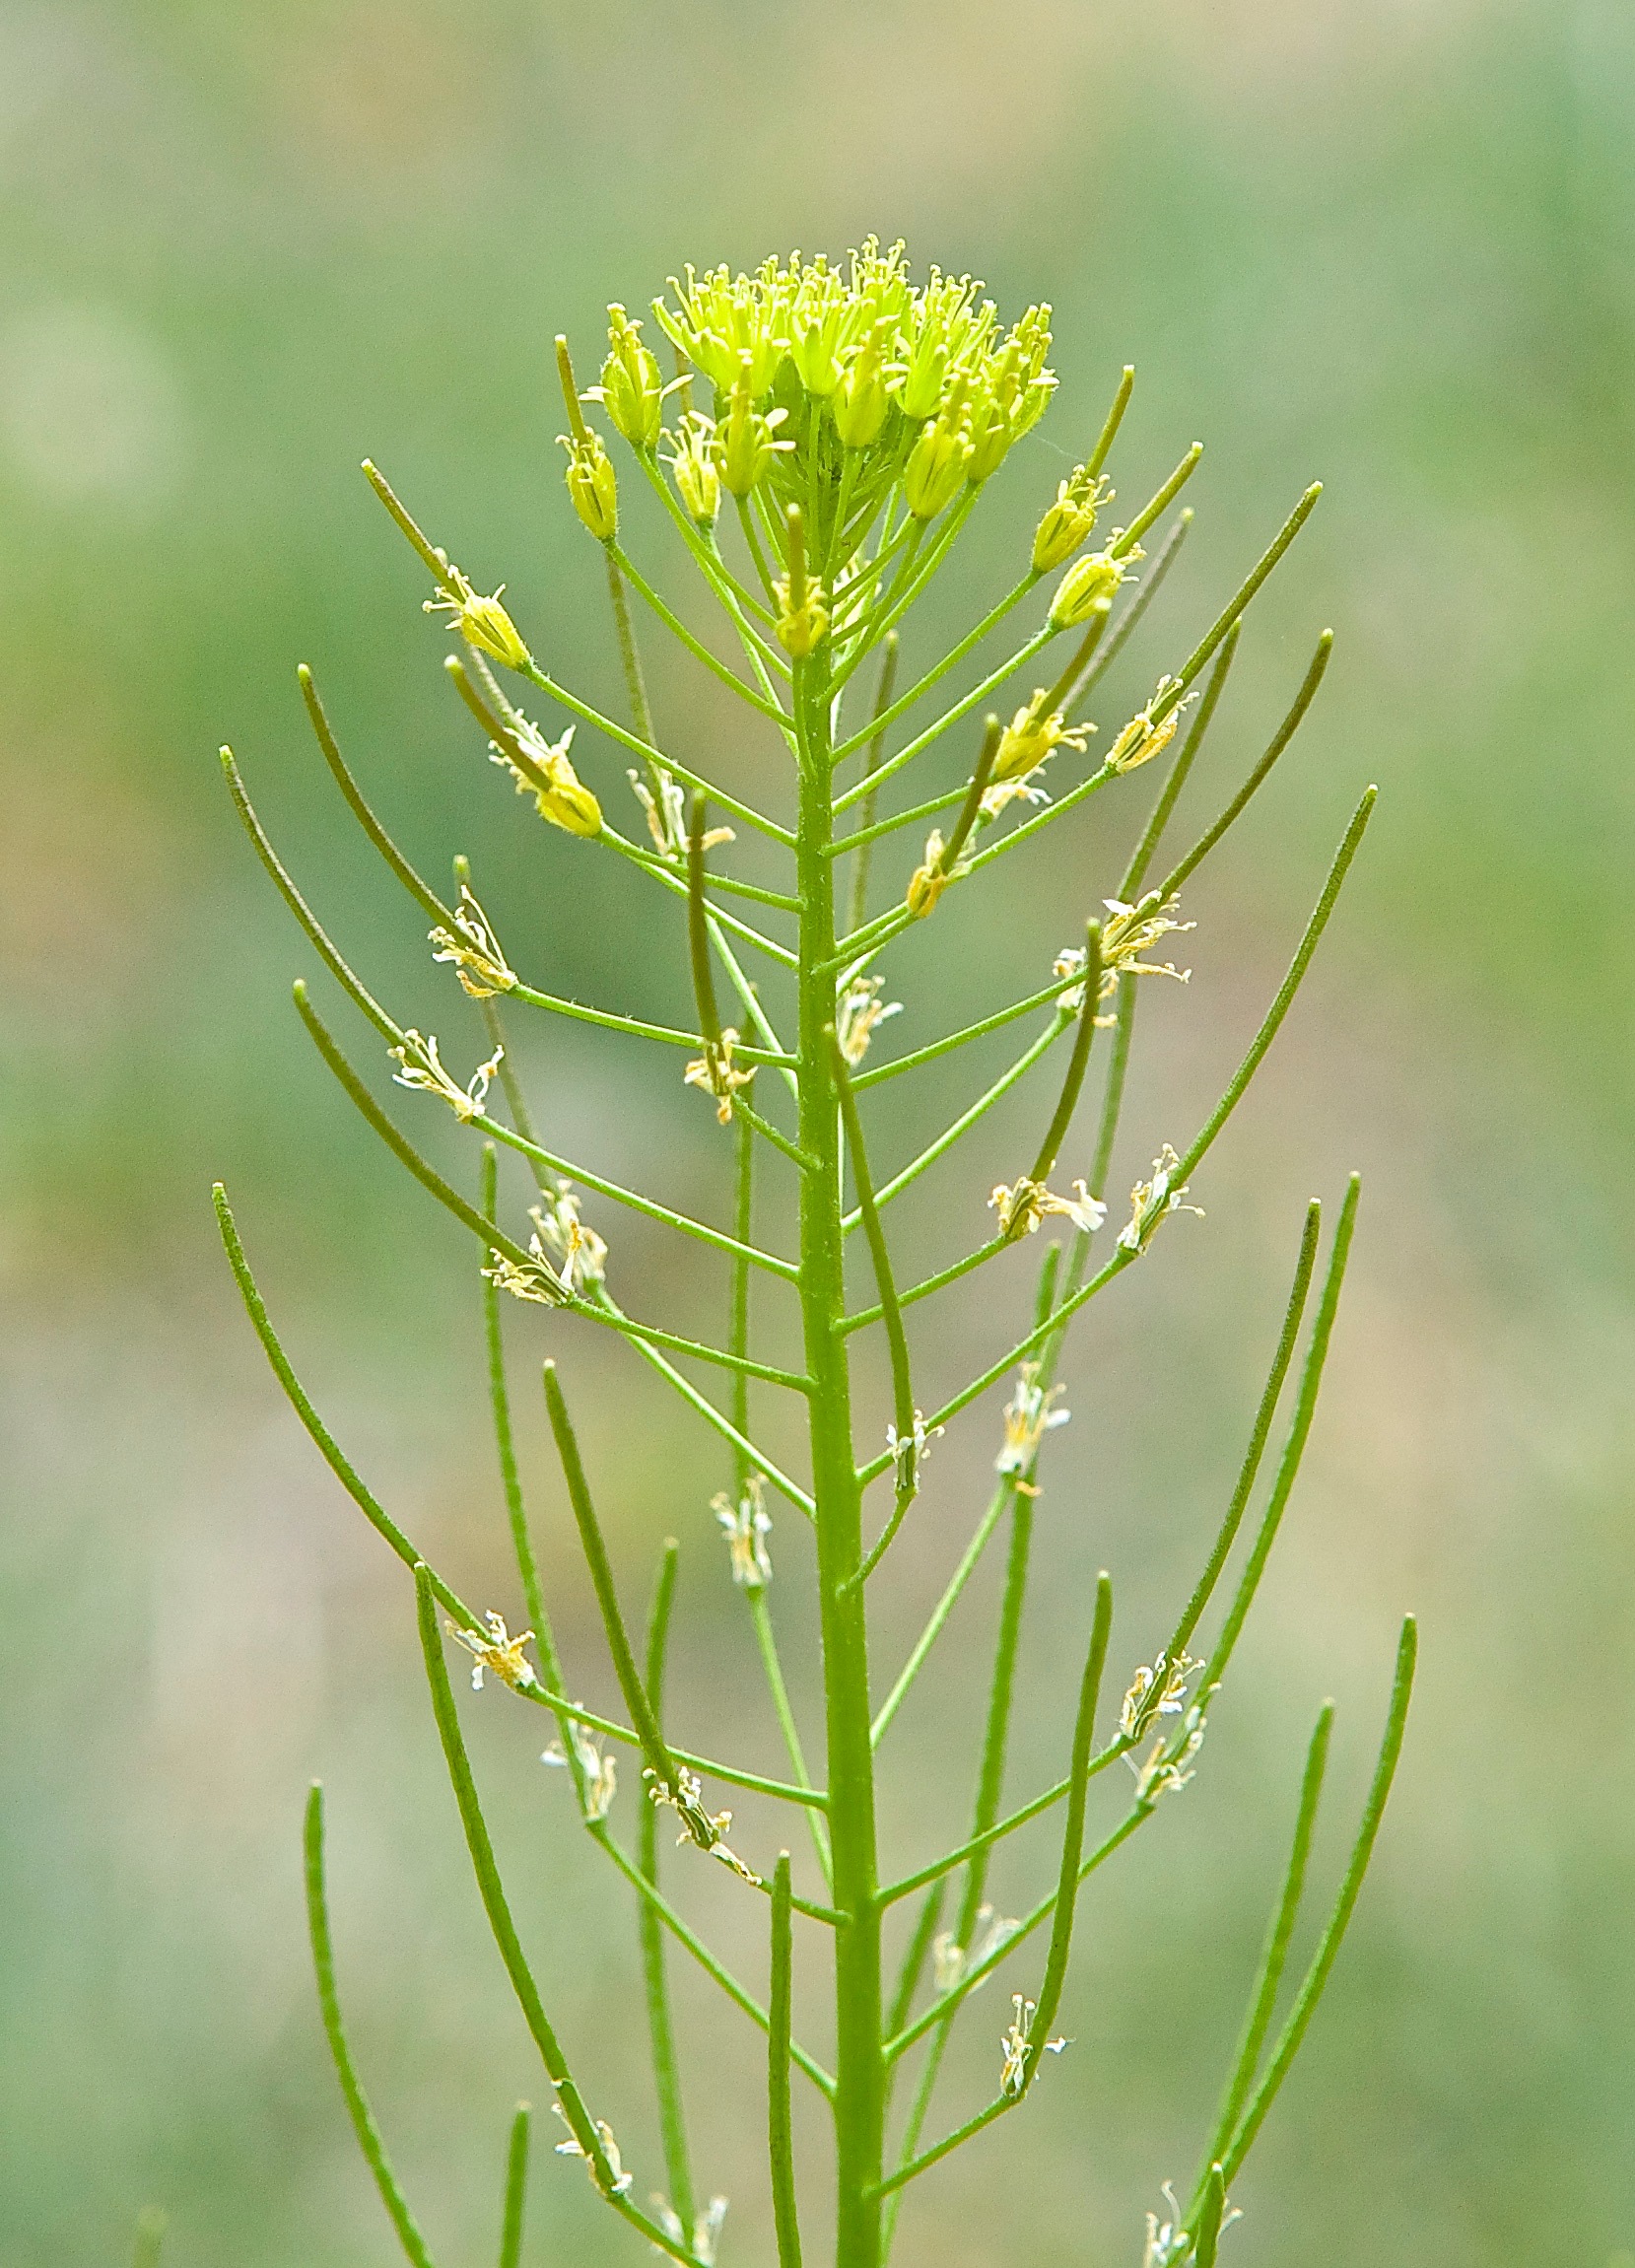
{"points": [[1031, 737], [936, 471], [1066, 522], [632, 389], [861, 400], [592, 484], [1141, 740], [1086, 582], [800, 626], [570, 804], [815, 353], [483, 622]]}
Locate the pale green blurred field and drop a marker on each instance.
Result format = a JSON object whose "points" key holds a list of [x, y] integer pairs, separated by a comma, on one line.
{"points": [[1390, 244]]}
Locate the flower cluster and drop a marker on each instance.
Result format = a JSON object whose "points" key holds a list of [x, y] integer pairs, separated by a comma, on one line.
{"points": [[815, 366]]}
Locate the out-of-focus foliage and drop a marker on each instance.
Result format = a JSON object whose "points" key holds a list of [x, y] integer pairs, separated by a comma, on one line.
{"points": [[1392, 246]]}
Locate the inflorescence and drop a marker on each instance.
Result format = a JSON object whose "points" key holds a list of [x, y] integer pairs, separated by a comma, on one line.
{"points": [[819, 446]]}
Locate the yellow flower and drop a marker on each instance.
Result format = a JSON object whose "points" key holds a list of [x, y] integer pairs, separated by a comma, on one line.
{"points": [[1067, 521], [1030, 738], [481, 622], [632, 391], [800, 627], [744, 442], [592, 483], [1086, 582], [1141, 740], [541, 768], [695, 472]]}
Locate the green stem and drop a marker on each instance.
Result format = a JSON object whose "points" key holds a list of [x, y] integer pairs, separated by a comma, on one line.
{"points": [[862, 840], [1264, 1998], [859, 2099], [968, 1119], [1135, 874], [1323, 1961], [322, 1439], [629, 654], [580, 2123], [1073, 1837], [1121, 632], [962, 707], [1279, 741], [901, 1386], [766, 1641], [1114, 418], [661, 2031], [694, 646], [780, 2126], [712, 1968], [357, 2102], [505, 1441], [516, 2188]]}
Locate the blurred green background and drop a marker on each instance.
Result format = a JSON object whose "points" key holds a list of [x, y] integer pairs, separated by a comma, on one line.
{"points": [[1391, 244]]}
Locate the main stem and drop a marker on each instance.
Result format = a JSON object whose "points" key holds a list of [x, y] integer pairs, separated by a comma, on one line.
{"points": [[859, 2066]]}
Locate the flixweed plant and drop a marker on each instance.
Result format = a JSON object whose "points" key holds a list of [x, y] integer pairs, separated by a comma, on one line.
{"points": [[827, 436]]}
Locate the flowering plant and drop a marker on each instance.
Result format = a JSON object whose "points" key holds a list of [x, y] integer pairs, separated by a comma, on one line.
{"points": [[827, 436]]}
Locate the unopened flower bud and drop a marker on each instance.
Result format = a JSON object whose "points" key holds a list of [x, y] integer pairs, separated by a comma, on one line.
{"points": [[592, 484], [571, 805], [481, 622], [861, 400], [800, 627], [802, 617], [632, 389], [1029, 738], [1085, 585], [936, 471], [1066, 522]]}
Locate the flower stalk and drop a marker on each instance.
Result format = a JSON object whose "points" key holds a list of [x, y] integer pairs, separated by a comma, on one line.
{"points": [[856, 418]]}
